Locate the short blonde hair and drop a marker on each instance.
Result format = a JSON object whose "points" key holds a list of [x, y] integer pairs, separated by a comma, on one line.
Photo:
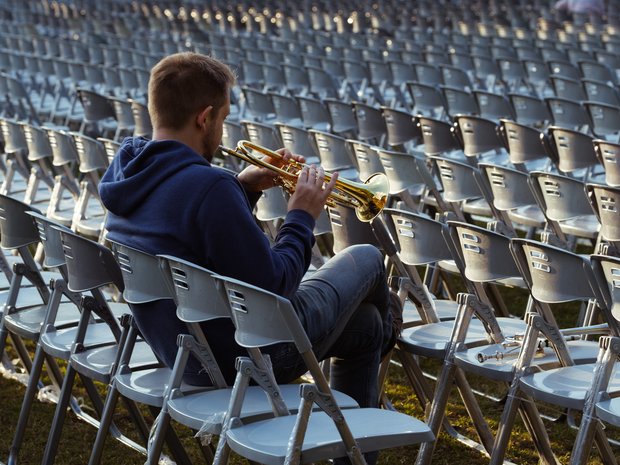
{"points": [[183, 84]]}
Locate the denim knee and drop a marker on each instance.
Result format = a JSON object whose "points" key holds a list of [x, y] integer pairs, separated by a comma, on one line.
{"points": [[365, 254]]}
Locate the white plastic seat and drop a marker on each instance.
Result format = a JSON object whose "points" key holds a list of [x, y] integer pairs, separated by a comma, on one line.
{"points": [[204, 409], [268, 441], [545, 268], [324, 434]]}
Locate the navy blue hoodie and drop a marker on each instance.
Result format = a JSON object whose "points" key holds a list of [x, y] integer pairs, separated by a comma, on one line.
{"points": [[164, 198]]}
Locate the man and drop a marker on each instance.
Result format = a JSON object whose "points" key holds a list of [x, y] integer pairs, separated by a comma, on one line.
{"points": [[165, 197]]}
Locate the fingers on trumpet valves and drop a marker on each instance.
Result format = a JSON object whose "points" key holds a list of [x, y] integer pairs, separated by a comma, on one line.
{"points": [[304, 174]]}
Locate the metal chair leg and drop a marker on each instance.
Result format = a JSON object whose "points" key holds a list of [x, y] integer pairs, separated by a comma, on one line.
{"points": [[51, 447], [24, 413]]}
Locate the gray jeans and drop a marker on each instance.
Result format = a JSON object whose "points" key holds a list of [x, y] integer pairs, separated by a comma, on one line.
{"points": [[330, 305]]}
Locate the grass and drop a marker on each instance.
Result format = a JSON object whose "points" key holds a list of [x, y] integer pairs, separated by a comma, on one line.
{"points": [[78, 437]]}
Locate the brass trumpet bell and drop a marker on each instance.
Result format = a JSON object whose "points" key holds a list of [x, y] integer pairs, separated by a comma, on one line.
{"points": [[367, 198]]}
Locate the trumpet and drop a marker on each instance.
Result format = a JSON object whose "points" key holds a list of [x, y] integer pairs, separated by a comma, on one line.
{"points": [[367, 198], [512, 345]]}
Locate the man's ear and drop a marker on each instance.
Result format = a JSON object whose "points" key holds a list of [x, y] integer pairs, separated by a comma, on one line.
{"points": [[204, 117]]}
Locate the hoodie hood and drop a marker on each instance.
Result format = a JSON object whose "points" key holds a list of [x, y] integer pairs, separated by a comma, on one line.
{"points": [[139, 167]]}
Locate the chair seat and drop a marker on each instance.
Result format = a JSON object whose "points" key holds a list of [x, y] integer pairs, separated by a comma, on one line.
{"points": [[565, 386], [193, 410], [430, 340], [64, 213], [28, 297], [529, 215], [478, 207], [582, 352], [582, 226], [58, 343], [147, 386], [609, 411], [266, 441], [446, 310], [27, 323], [96, 363], [90, 227], [448, 265], [516, 281]]}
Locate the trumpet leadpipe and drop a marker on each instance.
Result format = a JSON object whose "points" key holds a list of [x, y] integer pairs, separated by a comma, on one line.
{"points": [[367, 198]]}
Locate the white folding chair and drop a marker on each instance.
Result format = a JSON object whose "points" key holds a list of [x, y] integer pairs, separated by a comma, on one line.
{"points": [[261, 319]]}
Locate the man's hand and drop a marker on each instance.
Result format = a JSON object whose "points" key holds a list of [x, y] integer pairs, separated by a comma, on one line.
{"points": [[311, 192], [256, 179]]}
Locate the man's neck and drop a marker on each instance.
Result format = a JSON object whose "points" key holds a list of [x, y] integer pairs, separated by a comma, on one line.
{"points": [[186, 136]]}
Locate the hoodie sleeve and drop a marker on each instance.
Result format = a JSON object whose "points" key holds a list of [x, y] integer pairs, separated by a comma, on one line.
{"points": [[234, 245]]}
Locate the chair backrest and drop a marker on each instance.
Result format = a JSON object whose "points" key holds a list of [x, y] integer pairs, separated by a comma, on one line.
{"points": [[546, 269], [341, 115], [232, 132], [402, 171], [567, 88], [605, 202], [370, 123], [142, 120], [49, 234], [568, 113], [574, 149], [605, 119], [262, 318], [485, 254], [427, 99], [427, 74], [606, 271], [563, 67], [258, 103], [198, 295], [13, 136], [561, 198], [400, 126], [530, 110], [458, 180], [459, 101], [438, 136], [591, 69], [261, 133], [16, 226], [298, 141], [510, 187], [89, 265], [92, 154], [608, 154], [38, 142], [111, 147], [348, 229], [332, 151], [493, 106], [524, 143], [96, 106], [456, 76], [63, 147], [286, 109], [142, 275], [421, 239], [367, 157], [322, 83], [599, 91], [313, 113], [479, 135]]}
